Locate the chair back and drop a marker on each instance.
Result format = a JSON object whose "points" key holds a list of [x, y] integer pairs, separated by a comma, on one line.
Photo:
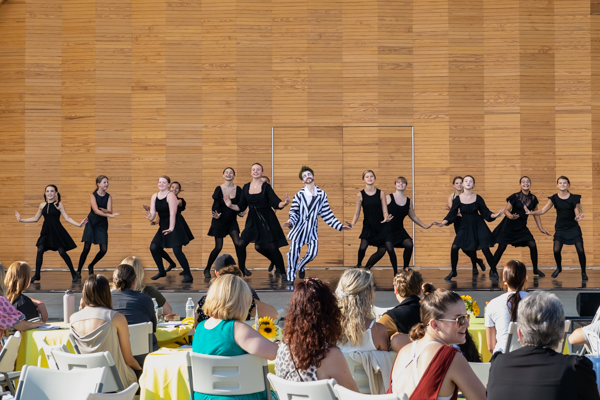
{"points": [[347, 394], [359, 374], [315, 390], [227, 376], [48, 353], [47, 384], [140, 337], [68, 361], [482, 370], [8, 355], [512, 339], [379, 311], [561, 344], [127, 394]]}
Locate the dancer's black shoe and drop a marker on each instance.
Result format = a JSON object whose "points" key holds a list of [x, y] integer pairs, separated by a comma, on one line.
{"points": [[159, 275], [450, 276], [301, 274], [536, 271], [188, 279], [246, 272], [170, 267], [35, 278], [475, 270], [207, 273], [557, 271], [481, 264], [494, 274], [584, 276], [271, 267]]}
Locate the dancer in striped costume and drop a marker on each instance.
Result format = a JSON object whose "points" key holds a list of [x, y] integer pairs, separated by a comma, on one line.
{"points": [[308, 204]]}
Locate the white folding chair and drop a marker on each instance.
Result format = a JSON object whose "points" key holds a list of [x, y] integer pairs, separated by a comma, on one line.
{"points": [[359, 374], [482, 370], [347, 394], [140, 337], [8, 357], [227, 376], [127, 394], [68, 361], [316, 390], [48, 384], [48, 353], [512, 340], [379, 311]]}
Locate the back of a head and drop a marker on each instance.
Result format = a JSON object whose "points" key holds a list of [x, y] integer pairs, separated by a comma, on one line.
{"points": [[228, 298], [136, 263], [408, 283], [16, 279], [96, 292], [312, 323], [515, 277], [231, 270], [355, 293], [541, 320], [124, 277], [433, 306]]}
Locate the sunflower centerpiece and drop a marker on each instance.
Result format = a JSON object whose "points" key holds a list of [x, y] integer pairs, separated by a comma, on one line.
{"points": [[267, 328], [472, 306]]}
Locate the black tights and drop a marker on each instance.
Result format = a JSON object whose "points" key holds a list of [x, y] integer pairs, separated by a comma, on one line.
{"points": [[407, 245], [270, 251], [486, 252], [532, 252], [39, 259], [473, 256], [86, 249], [580, 253], [388, 247], [235, 237], [157, 255]]}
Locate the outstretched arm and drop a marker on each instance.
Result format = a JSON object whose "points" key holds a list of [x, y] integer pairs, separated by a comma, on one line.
{"points": [[37, 217], [328, 216], [416, 220], [543, 211], [294, 213], [538, 222], [70, 220], [386, 217], [357, 210]]}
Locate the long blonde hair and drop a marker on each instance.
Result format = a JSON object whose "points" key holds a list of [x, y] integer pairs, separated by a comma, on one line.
{"points": [[355, 295], [16, 279], [139, 271]]}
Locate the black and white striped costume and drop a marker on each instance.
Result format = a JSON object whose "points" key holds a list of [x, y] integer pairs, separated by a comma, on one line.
{"points": [[304, 229]]}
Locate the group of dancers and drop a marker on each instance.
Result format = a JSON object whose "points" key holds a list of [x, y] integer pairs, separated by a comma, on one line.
{"points": [[383, 224]]}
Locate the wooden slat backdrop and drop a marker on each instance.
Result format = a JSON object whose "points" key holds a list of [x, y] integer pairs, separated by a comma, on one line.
{"points": [[135, 90]]}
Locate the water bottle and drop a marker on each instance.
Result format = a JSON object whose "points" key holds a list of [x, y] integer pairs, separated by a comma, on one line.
{"points": [[189, 308], [155, 308], [68, 305]]}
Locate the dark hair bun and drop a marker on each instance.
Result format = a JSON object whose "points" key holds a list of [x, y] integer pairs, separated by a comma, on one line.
{"points": [[428, 288]]}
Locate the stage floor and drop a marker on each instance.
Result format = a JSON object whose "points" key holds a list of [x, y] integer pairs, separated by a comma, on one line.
{"points": [[569, 279]]}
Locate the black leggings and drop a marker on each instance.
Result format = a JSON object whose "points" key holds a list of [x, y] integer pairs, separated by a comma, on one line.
{"points": [[387, 247], [235, 238], [486, 252], [532, 252], [407, 244], [473, 256], [39, 259], [86, 249], [580, 253], [270, 251], [157, 255]]}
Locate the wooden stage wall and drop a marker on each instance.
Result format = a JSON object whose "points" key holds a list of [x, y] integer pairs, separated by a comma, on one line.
{"points": [[141, 88]]}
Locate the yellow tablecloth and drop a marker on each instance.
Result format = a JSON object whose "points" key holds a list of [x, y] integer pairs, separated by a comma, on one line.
{"points": [[174, 336], [477, 331]]}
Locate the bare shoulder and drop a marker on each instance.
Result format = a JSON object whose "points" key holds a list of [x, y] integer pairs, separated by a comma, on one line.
{"points": [[333, 358], [42, 205]]}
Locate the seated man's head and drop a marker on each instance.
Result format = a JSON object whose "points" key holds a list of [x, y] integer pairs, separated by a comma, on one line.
{"points": [[541, 320]]}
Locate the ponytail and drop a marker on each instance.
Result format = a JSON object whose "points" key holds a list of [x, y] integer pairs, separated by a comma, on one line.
{"points": [[515, 274], [417, 331]]}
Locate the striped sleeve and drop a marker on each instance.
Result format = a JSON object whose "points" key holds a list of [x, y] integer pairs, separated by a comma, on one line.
{"points": [[328, 216], [294, 211]]}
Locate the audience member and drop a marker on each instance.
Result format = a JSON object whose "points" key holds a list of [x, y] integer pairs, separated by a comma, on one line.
{"points": [[355, 295], [313, 326], [469, 349], [502, 310], [97, 327], [407, 288], [589, 334], [430, 368], [17, 280], [151, 291], [225, 333], [536, 370]]}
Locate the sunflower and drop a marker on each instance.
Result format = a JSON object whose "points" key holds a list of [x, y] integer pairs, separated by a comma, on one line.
{"points": [[475, 309], [267, 330], [266, 321]]}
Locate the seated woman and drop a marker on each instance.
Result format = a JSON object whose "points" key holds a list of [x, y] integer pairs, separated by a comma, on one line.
{"points": [[430, 368], [135, 306], [225, 265], [224, 333], [536, 370], [589, 334], [502, 310], [313, 326], [151, 291], [17, 280], [355, 295], [97, 327]]}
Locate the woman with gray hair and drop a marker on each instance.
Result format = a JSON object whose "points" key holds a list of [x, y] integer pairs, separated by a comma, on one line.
{"points": [[536, 370]]}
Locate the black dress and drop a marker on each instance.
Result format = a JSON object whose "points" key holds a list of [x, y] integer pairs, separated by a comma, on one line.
{"points": [[373, 231], [179, 236], [53, 235], [96, 230], [399, 234], [180, 209], [262, 226], [566, 229], [515, 231], [473, 234], [227, 222]]}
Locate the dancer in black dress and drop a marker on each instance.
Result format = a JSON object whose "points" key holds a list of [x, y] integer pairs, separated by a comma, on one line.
{"points": [[96, 230], [262, 227], [474, 234], [566, 230], [172, 232], [457, 184], [224, 222], [399, 206], [376, 230], [53, 236], [513, 229]]}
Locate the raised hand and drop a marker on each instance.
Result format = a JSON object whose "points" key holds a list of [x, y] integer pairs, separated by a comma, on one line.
{"points": [[216, 215], [387, 219], [18, 216], [147, 208], [148, 216], [287, 199], [579, 217]]}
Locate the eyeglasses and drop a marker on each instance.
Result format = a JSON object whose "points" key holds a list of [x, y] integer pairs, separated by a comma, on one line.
{"points": [[461, 320]]}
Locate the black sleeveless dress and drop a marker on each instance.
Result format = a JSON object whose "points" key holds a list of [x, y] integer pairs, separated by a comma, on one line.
{"points": [[473, 234], [566, 229], [399, 234], [262, 226], [227, 223], [179, 236], [53, 235], [96, 230], [180, 209], [373, 231], [515, 231]]}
